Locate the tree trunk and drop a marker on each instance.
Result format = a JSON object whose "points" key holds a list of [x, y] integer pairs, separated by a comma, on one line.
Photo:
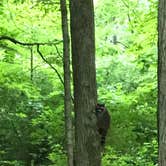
{"points": [[31, 51], [162, 82], [67, 99], [84, 75]]}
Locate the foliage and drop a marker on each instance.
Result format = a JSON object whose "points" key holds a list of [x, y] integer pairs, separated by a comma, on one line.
{"points": [[31, 108], [126, 75], [145, 155], [57, 156]]}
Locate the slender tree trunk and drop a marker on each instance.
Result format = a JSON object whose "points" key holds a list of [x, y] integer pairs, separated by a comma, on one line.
{"points": [[84, 74], [162, 82], [31, 50], [67, 99]]}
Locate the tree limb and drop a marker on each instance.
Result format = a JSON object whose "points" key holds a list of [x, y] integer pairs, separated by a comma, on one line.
{"points": [[28, 44]]}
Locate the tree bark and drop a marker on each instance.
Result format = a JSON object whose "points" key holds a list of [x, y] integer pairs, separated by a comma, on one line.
{"points": [[84, 75], [162, 82], [67, 98]]}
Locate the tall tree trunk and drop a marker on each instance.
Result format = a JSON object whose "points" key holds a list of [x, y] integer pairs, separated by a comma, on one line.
{"points": [[67, 99], [84, 74], [162, 82]]}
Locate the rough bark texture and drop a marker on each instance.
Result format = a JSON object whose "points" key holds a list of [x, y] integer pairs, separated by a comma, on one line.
{"points": [[67, 99], [162, 82], [84, 74]]}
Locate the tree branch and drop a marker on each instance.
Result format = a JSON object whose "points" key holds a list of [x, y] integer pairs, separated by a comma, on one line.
{"points": [[57, 50], [118, 42], [35, 44], [59, 76], [28, 44]]}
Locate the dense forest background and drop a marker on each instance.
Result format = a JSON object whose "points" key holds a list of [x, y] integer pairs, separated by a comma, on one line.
{"points": [[31, 91]]}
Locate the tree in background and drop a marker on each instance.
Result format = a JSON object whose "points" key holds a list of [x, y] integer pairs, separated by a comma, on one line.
{"points": [[67, 89], [162, 82], [84, 74]]}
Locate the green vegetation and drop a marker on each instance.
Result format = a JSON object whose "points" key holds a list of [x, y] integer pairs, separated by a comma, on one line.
{"points": [[31, 94]]}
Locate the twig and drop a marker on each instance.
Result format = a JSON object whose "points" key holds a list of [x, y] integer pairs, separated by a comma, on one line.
{"points": [[59, 54], [59, 76], [118, 42]]}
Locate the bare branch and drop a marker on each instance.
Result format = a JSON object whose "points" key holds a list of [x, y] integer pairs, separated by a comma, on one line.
{"points": [[118, 42], [57, 50], [44, 59], [28, 44]]}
